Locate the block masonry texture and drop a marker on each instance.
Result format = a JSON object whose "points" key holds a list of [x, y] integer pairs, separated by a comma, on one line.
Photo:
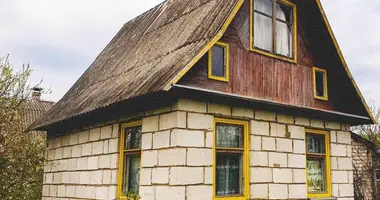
{"points": [[177, 156]]}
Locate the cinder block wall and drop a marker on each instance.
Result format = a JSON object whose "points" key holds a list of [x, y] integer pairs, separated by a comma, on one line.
{"points": [[364, 176], [83, 165], [177, 146]]}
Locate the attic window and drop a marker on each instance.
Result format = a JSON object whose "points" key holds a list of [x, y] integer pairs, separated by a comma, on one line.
{"points": [[320, 84], [273, 28], [218, 62]]}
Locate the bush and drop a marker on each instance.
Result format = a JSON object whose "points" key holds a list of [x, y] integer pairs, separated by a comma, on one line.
{"points": [[21, 156]]}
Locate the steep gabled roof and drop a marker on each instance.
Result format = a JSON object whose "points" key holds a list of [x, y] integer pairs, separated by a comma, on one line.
{"points": [[145, 55], [150, 54]]}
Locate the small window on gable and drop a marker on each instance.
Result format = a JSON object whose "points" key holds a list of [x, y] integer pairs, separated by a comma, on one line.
{"points": [[320, 84], [218, 62], [273, 28]]}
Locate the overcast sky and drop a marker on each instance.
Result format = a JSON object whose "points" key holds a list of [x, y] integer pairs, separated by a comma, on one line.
{"points": [[61, 38]]}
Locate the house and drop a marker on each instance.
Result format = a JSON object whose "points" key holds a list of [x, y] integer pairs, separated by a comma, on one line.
{"points": [[366, 159], [34, 108], [210, 99]]}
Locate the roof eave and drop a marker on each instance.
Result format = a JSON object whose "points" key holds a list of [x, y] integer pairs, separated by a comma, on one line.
{"points": [[218, 36], [348, 118], [339, 51]]}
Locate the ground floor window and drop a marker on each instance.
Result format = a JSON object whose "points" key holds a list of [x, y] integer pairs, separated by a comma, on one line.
{"points": [[129, 160], [318, 163], [231, 165]]}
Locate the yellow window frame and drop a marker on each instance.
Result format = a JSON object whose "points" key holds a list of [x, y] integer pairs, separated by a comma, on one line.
{"points": [[121, 156], [325, 84], [328, 193], [270, 54], [245, 161], [227, 72]]}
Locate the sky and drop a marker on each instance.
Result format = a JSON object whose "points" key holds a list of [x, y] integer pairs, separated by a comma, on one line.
{"points": [[61, 38]]}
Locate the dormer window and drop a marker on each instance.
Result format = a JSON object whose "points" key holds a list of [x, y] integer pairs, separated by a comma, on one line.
{"points": [[218, 62], [320, 84], [273, 28]]}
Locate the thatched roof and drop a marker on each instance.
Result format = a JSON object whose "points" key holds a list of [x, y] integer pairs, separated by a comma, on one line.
{"points": [[146, 54]]}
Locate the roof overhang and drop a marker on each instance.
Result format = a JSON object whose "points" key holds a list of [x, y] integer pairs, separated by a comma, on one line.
{"points": [[263, 104], [366, 142]]}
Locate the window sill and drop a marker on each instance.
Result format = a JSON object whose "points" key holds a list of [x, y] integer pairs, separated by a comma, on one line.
{"points": [[230, 198], [321, 98], [290, 60], [222, 79]]}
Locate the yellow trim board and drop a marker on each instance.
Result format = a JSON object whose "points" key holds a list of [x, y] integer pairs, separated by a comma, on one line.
{"points": [[269, 54], [246, 159], [121, 156], [226, 78], [328, 193], [343, 60], [325, 84], [207, 47]]}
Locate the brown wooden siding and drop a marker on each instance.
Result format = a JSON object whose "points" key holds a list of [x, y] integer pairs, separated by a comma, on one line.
{"points": [[259, 76]]}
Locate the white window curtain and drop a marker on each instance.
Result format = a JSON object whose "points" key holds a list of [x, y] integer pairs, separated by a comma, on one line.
{"points": [[284, 33], [263, 29]]}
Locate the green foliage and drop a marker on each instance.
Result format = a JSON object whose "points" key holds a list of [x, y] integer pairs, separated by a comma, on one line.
{"points": [[21, 156], [372, 131]]}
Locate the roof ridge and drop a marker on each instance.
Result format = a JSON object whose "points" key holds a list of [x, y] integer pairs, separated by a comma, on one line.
{"points": [[117, 58], [179, 17], [45, 101], [154, 7]]}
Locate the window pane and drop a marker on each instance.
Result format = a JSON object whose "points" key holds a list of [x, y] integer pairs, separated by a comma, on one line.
{"points": [[284, 39], [229, 176], [284, 30], [131, 173], [263, 32], [229, 136], [132, 138], [265, 6], [219, 61], [284, 13], [316, 175], [315, 143], [320, 82]]}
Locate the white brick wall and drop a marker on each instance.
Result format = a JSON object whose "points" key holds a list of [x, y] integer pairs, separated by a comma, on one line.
{"points": [[177, 156], [185, 175], [170, 192], [81, 165], [160, 175], [202, 192]]}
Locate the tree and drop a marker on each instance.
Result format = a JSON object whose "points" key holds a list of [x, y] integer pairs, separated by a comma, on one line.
{"points": [[367, 168], [21, 156], [371, 132]]}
